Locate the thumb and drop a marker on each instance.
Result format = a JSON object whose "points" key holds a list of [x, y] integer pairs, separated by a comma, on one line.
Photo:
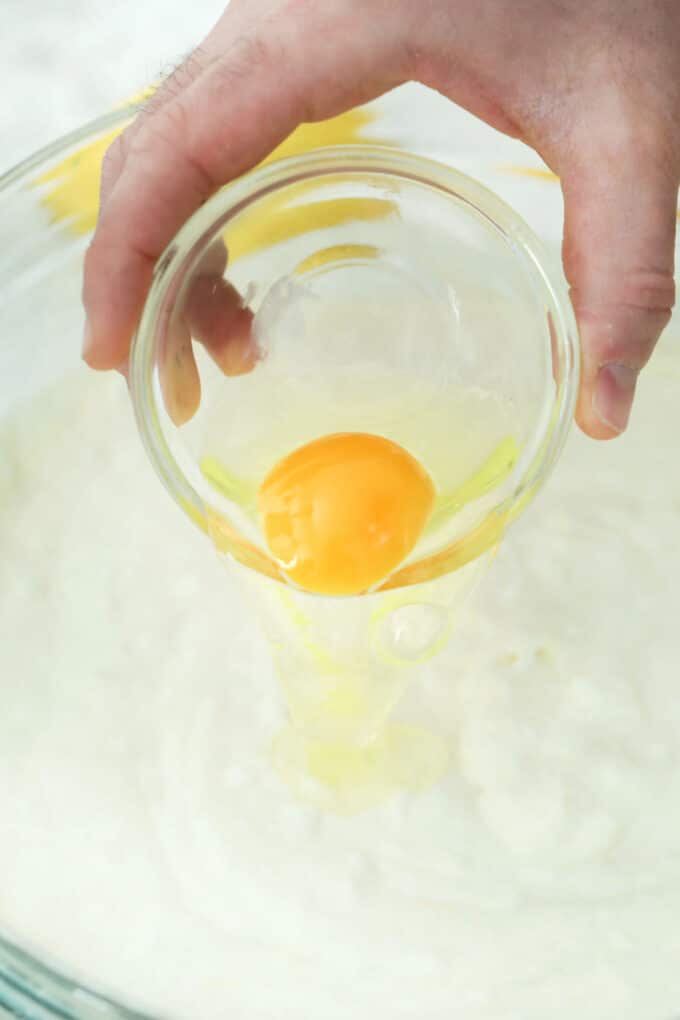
{"points": [[620, 214]]}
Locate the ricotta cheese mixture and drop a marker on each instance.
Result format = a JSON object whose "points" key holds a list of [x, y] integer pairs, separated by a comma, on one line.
{"points": [[149, 849]]}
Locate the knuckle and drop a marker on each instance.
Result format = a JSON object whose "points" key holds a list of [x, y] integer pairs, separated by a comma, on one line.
{"points": [[248, 54], [191, 68], [164, 131], [649, 290], [176, 79], [645, 291], [626, 330]]}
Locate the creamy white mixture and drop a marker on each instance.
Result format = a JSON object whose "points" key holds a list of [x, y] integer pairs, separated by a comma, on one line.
{"points": [[148, 848]]}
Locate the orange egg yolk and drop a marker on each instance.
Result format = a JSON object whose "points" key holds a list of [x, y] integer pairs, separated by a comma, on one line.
{"points": [[340, 513]]}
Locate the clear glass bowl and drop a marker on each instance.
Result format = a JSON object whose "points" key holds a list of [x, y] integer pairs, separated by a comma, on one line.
{"points": [[365, 290], [48, 208]]}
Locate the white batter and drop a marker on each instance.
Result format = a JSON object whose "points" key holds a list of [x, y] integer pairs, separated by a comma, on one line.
{"points": [[148, 848]]}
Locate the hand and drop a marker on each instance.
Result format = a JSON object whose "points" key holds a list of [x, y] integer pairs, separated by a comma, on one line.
{"points": [[593, 86]]}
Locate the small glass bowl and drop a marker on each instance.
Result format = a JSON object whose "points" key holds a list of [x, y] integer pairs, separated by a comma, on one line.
{"points": [[356, 289]]}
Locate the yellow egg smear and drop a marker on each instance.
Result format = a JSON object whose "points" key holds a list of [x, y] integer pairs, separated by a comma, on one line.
{"points": [[340, 513]]}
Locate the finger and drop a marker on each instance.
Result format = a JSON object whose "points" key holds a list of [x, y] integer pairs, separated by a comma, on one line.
{"points": [[620, 214], [180, 382], [309, 64], [217, 317]]}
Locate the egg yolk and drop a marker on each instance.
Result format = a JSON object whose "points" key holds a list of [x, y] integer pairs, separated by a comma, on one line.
{"points": [[341, 512]]}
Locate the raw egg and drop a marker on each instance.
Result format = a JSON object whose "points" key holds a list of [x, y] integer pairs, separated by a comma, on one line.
{"points": [[341, 512]]}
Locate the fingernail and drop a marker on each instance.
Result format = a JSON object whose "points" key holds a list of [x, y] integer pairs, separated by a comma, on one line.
{"points": [[88, 339], [613, 398]]}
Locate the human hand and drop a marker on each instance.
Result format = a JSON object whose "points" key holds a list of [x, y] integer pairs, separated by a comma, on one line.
{"points": [[593, 87]]}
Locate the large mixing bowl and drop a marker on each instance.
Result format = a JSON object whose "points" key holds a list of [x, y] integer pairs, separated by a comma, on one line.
{"points": [[47, 213]]}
